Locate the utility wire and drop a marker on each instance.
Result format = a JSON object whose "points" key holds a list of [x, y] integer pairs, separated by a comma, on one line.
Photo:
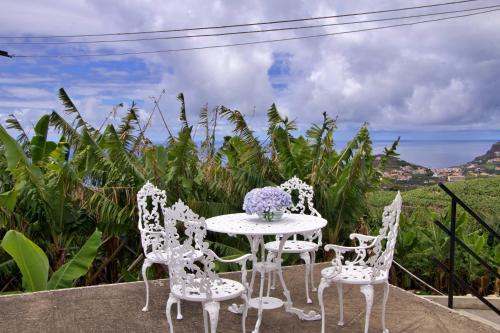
{"points": [[246, 24], [417, 278], [253, 31], [248, 43]]}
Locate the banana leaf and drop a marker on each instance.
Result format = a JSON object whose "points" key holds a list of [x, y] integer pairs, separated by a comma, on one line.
{"points": [[30, 259], [78, 265]]}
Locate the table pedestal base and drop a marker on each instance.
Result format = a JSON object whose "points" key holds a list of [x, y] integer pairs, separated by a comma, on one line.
{"points": [[268, 303]]}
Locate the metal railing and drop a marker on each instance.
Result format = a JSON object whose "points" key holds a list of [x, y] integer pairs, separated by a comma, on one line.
{"points": [[452, 276]]}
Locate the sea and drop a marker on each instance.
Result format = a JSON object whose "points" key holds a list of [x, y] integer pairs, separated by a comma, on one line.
{"points": [[436, 154]]}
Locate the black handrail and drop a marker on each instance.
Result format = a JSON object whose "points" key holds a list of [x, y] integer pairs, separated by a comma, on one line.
{"points": [[454, 240], [483, 262], [465, 285]]}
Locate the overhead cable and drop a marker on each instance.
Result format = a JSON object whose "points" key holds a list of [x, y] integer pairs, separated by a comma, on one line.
{"points": [[247, 24], [249, 43], [249, 31]]}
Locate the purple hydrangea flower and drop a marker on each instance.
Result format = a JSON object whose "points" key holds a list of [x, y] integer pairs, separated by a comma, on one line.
{"points": [[267, 199]]}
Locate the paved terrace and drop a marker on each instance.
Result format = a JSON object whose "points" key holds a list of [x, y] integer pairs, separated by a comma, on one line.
{"points": [[117, 308]]}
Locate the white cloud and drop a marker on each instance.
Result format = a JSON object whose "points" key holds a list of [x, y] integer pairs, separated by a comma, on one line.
{"points": [[441, 75]]}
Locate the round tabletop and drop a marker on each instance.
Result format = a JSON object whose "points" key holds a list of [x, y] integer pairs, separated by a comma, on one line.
{"points": [[244, 224]]}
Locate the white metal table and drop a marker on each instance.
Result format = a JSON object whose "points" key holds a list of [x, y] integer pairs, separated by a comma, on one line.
{"points": [[255, 229]]}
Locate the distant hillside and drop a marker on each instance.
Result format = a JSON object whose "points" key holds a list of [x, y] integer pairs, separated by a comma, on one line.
{"points": [[395, 163], [492, 153], [481, 194], [400, 174], [488, 163], [403, 175]]}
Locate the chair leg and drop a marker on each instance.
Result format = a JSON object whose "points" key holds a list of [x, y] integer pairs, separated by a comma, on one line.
{"points": [[179, 312], [145, 267], [340, 292], [322, 285], [245, 312], [313, 261], [213, 313], [384, 303], [307, 260], [205, 317], [168, 308], [367, 290]]}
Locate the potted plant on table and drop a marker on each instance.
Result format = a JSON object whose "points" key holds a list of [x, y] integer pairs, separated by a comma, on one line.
{"points": [[267, 202]]}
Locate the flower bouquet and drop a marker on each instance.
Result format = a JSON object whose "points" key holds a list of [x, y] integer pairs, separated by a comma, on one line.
{"points": [[267, 202]]}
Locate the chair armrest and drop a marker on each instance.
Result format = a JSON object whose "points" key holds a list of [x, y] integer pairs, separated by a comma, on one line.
{"points": [[242, 261], [361, 253], [361, 236], [343, 249], [362, 239]]}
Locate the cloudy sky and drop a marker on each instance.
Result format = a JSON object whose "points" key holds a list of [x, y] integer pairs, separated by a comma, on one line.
{"points": [[436, 80]]}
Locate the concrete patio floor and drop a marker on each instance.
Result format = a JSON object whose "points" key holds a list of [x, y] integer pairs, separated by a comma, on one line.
{"points": [[117, 308]]}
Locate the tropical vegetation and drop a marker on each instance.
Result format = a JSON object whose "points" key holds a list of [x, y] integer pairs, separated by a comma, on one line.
{"points": [[68, 208], [54, 195], [420, 240]]}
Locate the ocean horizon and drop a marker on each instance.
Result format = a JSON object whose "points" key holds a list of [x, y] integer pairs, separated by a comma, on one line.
{"points": [[435, 153], [432, 154]]}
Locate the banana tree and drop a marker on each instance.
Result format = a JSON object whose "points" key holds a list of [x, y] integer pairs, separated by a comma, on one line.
{"points": [[34, 264]]}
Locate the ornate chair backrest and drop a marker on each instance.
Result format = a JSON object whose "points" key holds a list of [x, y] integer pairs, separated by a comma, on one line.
{"points": [[183, 271], [151, 203], [304, 203], [305, 197], [381, 261]]}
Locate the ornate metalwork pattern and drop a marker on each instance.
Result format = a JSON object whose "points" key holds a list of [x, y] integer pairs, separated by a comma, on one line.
{"points": [[255, 230], [306, 248], [151, 203], [243, 224], [191, 268], [369, 265], [305, 195]]}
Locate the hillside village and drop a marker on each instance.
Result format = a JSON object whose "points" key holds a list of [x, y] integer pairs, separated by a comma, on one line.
{"points": [[403, 174]]}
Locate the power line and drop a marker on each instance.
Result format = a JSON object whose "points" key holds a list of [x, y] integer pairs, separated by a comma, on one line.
{"points": [[249, 43], [245, 24], [252, 31]]}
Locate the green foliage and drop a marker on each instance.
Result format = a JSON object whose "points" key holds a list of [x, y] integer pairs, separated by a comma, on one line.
{"points": [[58, 193], [30, 259], [34, 265], [40, 147], [78, 265], [480, 194], [420, 239]]}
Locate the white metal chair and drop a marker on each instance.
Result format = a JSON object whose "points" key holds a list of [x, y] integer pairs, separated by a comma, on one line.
{"points": [[199, 283], [308, 246], [370, 265], [151, 203]]}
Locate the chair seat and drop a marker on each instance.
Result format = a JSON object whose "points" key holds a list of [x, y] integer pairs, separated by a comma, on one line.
{"points": [[162, 256], [353, 275], [222, 289], [292, 246]]}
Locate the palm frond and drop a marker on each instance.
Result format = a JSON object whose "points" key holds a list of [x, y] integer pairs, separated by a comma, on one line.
{"points": [[127, 128], [182, 116], [13, 123], [65, 129], [71, 109]]}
